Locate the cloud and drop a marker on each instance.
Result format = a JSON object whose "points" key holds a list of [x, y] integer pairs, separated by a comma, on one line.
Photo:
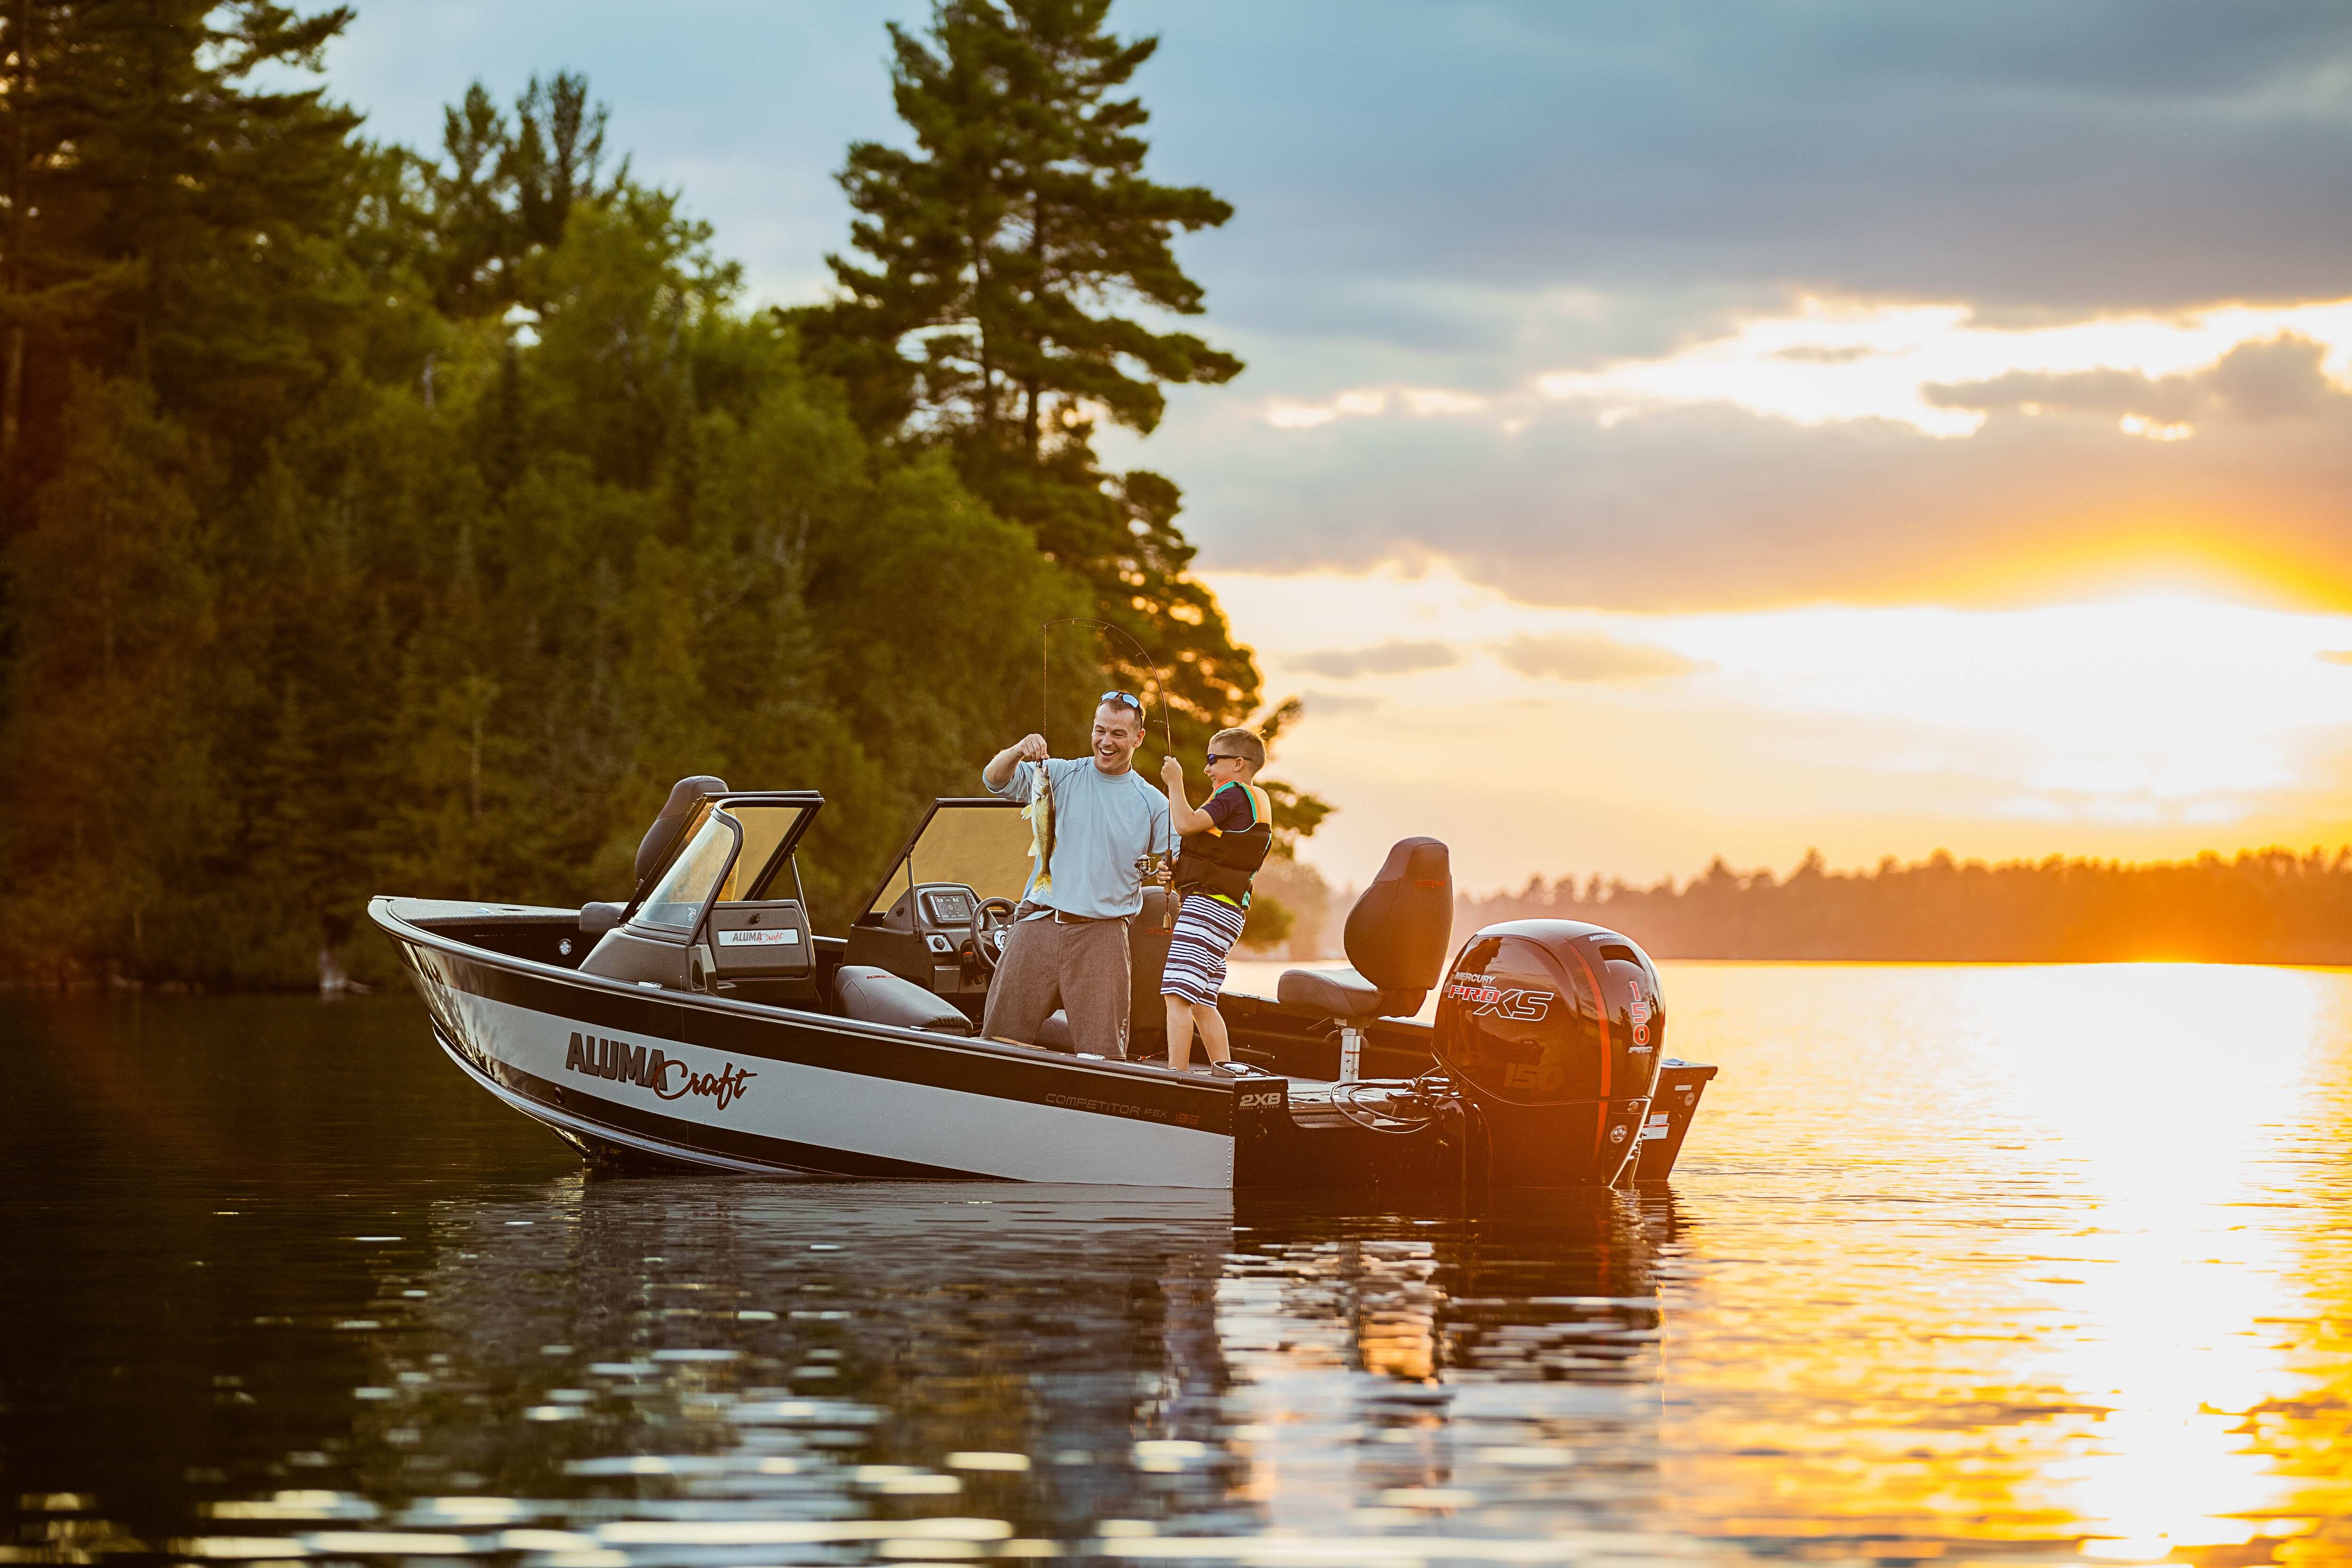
{"points": [[1384, 658], [2281, 377], [1709, 507], [1939, 370], [1418, 402], [1329, 704], [2093, 154], [1474, 198], [1591, 656], [1934, 368]]}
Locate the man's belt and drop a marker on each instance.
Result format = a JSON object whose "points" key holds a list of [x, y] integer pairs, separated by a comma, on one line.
{"points": [[1063, 917]]}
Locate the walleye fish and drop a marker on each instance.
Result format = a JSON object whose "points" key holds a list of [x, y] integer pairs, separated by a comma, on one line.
{"points": [[1040, 812]]}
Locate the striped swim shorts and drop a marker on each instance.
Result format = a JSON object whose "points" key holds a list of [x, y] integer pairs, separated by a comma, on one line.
{"points": [[1206, 929]]}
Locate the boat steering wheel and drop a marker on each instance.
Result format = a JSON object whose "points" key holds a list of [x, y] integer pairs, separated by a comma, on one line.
{"points": [[992, 922]]}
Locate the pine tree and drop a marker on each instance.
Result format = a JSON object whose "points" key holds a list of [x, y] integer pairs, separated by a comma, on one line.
{"points": [[983, 314], [504, 189], [167, 217]]}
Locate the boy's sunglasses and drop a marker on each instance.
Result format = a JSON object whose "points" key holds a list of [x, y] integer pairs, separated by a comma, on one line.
{"points": [[1216, 757]]}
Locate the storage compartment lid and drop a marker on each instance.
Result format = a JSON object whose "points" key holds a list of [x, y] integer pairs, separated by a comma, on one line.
{"points": [[769, 937]]}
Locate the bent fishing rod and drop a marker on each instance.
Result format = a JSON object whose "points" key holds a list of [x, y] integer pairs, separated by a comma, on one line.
{"points": [[1046, 672]]}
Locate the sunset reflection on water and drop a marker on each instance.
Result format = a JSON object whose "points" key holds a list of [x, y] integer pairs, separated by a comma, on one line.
{"points": [[2053, 1273], [1961, 1264]]}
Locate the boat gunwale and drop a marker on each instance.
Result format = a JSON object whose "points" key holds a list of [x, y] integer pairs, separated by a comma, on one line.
{"points": [[402, 929]]}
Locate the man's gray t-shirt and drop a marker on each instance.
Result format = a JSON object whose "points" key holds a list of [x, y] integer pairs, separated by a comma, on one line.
{"points": [[1101, 823]]}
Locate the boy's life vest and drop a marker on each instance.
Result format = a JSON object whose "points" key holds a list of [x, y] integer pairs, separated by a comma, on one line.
{"points": [[1216, 861]]}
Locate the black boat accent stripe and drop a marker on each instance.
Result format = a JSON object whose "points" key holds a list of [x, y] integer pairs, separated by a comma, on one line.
{"points": [[950, 1062], [680, 1138]]}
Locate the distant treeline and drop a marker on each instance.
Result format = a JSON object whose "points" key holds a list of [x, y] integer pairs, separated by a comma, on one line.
{"points": [[2267, 906], [383, 520]]}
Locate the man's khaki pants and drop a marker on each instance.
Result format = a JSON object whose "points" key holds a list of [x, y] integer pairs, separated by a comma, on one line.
{"points": [[1080, 966]]}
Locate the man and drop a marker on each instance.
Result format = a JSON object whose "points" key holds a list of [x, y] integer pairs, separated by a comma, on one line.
{"points": [[1068, 941]]}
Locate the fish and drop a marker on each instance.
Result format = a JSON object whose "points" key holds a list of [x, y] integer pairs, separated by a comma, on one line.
{"points": [[1040, 812]]}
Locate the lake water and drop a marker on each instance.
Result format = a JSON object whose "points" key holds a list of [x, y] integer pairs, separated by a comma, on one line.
{"points": [[1996, 1265]]}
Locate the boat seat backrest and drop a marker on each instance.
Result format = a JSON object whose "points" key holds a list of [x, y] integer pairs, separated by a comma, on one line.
{"points": [[872, 995], [675, 812], [1397, 939], [1399, 931]]}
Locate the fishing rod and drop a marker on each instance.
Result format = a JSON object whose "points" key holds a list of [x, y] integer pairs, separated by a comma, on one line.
{"points": [[1045, 670]]}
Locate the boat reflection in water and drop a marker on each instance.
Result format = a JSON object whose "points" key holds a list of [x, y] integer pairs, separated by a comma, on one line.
{"points": [[717, 1371]]}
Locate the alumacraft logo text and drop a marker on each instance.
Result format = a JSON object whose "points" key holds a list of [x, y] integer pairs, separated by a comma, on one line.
{"points": [[648, 1067]]}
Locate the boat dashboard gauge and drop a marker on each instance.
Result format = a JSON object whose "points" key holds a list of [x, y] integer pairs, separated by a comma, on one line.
{"points": [[947, 905]]}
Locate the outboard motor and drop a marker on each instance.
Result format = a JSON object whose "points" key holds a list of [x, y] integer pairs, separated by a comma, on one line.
{"points": [[1554, 1032]]}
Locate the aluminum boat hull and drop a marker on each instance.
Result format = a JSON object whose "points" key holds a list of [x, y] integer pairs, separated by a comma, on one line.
{"points": [[636, 1075], [751, 1087]]}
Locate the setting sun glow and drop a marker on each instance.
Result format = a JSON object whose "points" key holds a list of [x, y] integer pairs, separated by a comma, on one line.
{"points": [[1543, 741]]}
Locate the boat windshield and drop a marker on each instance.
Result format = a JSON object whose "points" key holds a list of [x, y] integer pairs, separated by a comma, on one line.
{"points": [[982, 843], [764, 827], [678, 898]]}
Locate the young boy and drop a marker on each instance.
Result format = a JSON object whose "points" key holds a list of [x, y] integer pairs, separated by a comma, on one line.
{"points": [[1225, 843]]}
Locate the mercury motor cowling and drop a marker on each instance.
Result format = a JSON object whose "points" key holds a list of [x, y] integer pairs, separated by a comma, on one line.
{"points": [[1554, 1032]]}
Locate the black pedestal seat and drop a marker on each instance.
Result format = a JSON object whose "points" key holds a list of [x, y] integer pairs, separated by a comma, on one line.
{"points": [[1342, 993], [873, 995], [1396, 940]]}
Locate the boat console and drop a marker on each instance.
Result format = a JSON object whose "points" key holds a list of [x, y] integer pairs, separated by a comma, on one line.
{"points": [[926, 936], [711, 910]]}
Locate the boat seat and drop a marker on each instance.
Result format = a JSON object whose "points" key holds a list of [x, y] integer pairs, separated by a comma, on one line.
{"points": [[1054, 1035], [874, 995], [1396, 938], [1340, 993]]}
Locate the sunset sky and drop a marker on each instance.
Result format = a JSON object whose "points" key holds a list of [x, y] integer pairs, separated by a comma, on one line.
{"points": [[1681, 430]]}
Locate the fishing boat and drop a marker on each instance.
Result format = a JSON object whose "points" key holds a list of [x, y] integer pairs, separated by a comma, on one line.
{"points": [[702, 1023]]}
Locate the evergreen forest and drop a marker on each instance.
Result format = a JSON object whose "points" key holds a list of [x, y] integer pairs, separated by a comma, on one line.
{"points": [[2267, 906], [384, 518]]}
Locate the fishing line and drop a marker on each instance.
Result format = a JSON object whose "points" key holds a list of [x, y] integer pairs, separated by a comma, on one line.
{"points": [[1046, 671]]}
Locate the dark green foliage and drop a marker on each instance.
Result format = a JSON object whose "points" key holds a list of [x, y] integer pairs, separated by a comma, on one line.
{"points": [[114, 792], [377, 523], [166, 219], [408, 525], [982, 316], [2268, 906]]}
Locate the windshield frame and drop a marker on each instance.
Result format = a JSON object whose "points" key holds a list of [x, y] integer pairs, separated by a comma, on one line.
{"points": [[714, 814], [899, 869], [780, 859]]}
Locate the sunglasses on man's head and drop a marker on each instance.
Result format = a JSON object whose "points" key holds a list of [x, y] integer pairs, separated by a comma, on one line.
{"points": [[1124, 698]]}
